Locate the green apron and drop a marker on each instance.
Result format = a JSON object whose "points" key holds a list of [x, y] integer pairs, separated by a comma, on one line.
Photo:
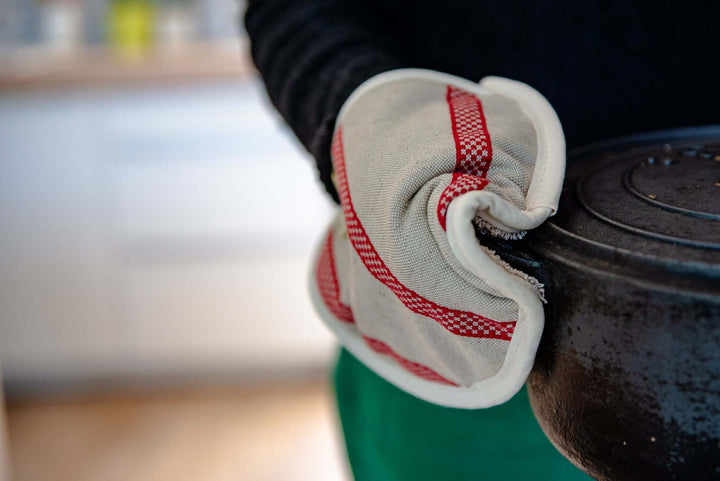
{"points": [[393, 436]]}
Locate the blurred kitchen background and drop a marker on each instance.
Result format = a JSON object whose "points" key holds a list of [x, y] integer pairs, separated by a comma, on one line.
{"points": [[156, 227]]}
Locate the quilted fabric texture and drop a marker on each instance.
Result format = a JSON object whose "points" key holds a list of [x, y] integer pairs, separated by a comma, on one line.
{"points": [[419, 157]]}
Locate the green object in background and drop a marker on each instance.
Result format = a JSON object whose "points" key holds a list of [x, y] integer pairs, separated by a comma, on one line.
{"points": [[393, 436], [131, 26]]}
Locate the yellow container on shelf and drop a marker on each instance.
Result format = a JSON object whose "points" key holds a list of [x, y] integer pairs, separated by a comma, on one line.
{"points": [[131, 27]]}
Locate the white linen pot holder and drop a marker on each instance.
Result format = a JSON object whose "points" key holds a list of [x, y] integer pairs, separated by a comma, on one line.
{"points": [[400, 277]]}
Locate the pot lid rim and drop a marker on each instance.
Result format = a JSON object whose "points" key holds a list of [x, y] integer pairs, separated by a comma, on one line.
{"points": [[580, 235]]}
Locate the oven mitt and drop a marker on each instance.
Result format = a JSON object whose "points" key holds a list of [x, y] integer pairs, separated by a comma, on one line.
{"points": [[421, 159]]}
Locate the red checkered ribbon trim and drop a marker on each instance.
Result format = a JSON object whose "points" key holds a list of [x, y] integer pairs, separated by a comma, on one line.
{"points": [[327, 282], [329, 289], [418, 369], [473, 149], [462, 323]]}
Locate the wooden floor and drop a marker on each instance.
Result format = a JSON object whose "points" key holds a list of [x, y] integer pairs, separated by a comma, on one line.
{"points": [[260, 434]]}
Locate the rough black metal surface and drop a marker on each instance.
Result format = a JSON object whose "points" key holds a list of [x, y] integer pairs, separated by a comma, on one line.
{"points": [[627, 377]]}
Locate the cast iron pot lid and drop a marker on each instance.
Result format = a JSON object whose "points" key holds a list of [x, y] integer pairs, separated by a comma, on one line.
{"points": [[646, 206]]}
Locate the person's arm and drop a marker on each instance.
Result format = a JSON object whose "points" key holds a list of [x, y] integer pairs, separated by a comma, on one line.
{"points": [[312, 54]]}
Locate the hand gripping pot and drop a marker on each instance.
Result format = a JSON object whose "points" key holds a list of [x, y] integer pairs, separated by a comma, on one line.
{"points": [[422, 160]]}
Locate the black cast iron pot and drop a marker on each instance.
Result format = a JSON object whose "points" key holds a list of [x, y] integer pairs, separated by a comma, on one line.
{"points": [[626, 382]]}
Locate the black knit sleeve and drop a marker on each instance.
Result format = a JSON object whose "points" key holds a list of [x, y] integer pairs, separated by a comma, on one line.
{"points": [[312, 54]]}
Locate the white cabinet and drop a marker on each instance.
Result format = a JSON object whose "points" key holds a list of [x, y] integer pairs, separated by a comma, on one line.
{"points": [[158, 230]]}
